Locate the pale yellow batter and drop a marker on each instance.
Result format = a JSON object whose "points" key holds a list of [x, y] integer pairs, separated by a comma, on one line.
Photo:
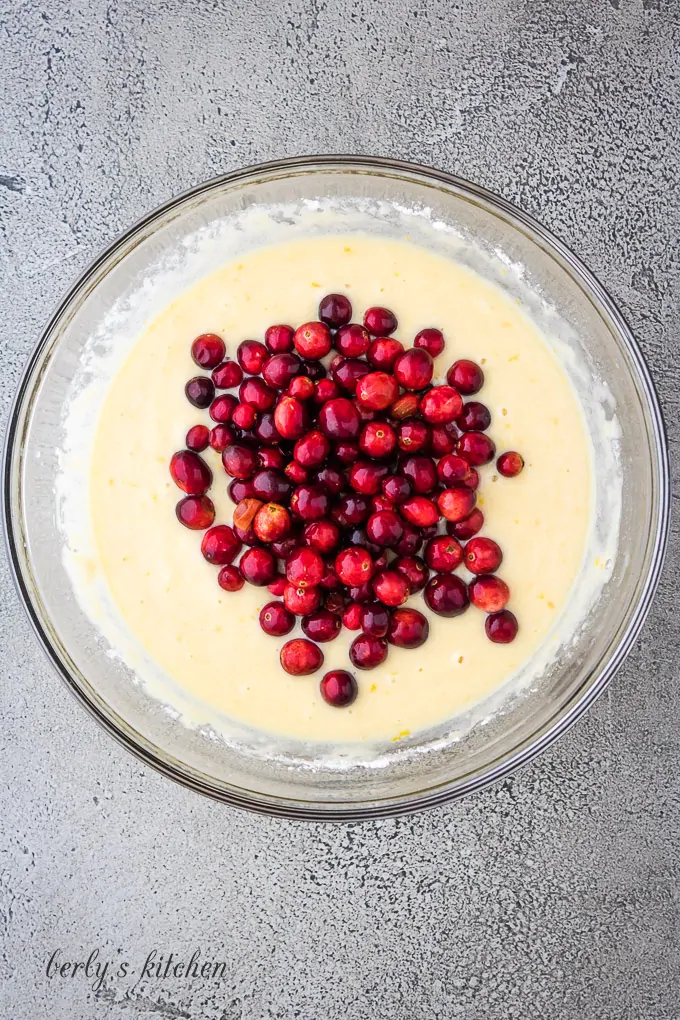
{"points": [[209, 640]]}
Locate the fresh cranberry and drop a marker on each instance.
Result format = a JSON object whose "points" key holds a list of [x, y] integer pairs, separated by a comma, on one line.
{"points": [[375, 619], [466, 376], [244, 417], [280, 370], [325, 390], [255, 392], [352, 341], [335, 310], [296, 473], [443, 554], [200, 391], [383, 353], [431, 340], [300, 657], [410, 541], [222, 408], [405, 407], [339, 419], [251, 356], [446, 595], [377, 440], [310, 502], [314, 370], [338, 688], [322, 625], [380, 321], [334, 602], [443, 439], [354, 566], [367, 652], [415, 571], [271, 457], [227, 375], [301, 601], [190, 473], [391, 587], [413, 436], [279, 339], [285, 546], [220, 545], [350, 510], [472, 481], [508, 464], [290, 418], [330, 580], [266, 430], [323, 536], [476, 448], [312, 449], [220, 437], [195, 512], [408, 628], [207, 350], [420, 472], [483, 556], [347, 451], [468, 527], [420, 511], [304, 568], [385, 528], [239, 461], [272, 522], [457, 502], [230, 579], [351, 617], [414, 369], [302, 388], [197, 438], [332, 479], [362, 593], [277, 586], [396, 489], [271, 486], [380, 503], [247, 536], [276, 620], [501, 628], [489, 593], [377, 391], [365, 477], [240, 489], [474, 416], [258, 566], [313, 340], [441, 405], [349, 372], [452, 469]]}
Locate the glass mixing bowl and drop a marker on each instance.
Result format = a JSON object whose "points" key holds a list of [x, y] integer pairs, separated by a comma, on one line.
{"points": [[427, 769]]}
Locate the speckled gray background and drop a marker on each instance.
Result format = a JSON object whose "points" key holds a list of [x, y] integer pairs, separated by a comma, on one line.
{"points": [[554, 895]]}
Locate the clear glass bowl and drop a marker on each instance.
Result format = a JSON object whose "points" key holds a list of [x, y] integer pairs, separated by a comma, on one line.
{"points": [[430, 768]]}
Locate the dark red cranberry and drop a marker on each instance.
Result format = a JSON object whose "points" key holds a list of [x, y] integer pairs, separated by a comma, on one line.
{"points": [[251, 356], [443, 554], [323, 536], [349, 372], [472, 481], [304, 568], [271, 523], [230, 579], [375, 619], [391, 587], [227, 375], [420, 472], [221, 436], [335, 310], [354, 567], [239, 461], [350, 510], [322, 625], [414, 570], [285, 546], [385, 528], [377, 391], [380, 503], [280, 370], [508, 464], [256, 393], [476, 448], [483, 556], [222, 408], [314, 370], [468, 527], [271, 457], [244, 417], [396, 489], [339, 419], [489, 593], [457, 502], [279, 339], [383, 353], [302, 388], [334, 602], [408, 628], [332, 479], [190, 473], [312, 449], [301, 601], [362, 593], [324, 390], [258, 566], [313, 340], [367, 652], [240, 489], [271, 486], [380, 321], [377, 440], [200, 391], [441, 405], [197, 438], [347, 451], [420, 511], [220, 545], [330, 580], [431, 340], [365, 477], [452, 469], [501, 628], [446, 595], [290, 418], [410, 542], [351, 617], [277, 586], [310, 502], [413, 435], [338, 688], [474, 416], [358, 536], [276, 620], [207, 350], [352, 341], [466, 376], [443, 439], [247, 536], [414, 369], [300, 657], [266, 431], [195, 512], [296, 473]]}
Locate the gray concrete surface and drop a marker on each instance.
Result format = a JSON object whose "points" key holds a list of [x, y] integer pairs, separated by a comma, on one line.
{"points": [[554, 895]]}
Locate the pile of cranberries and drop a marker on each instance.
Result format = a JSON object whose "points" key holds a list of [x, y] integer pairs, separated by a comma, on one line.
{"points": [[354, 479]]}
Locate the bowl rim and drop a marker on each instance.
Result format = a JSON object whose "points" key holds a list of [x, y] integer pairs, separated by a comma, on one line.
{"points": [[563, 718]]}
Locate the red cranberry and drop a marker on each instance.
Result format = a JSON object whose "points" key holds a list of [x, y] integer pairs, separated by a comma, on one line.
{"points": [[441, 405], [190, 473], [349, 372], [508, 464], [335, 310], [358, 536], [244, 514], [251, 356], [368, 652], [277, 586], [339, 419], [443, 439], [353, 341], [330, 580], [420, 511], [220, 545], [375, 619], [239, 461], [468, 527], [222, 408], [474, 416], [276, 620], [200, 391], [396, 488], [304, 568], [385, 529], [331, 479], [195, 512], [244, 417], [446, 595], [421, 473], [452, 469], [354, 566], [408, 629], [347, 451], [322, 625], [240, 489], [413, 436], [325, 390], [312, 449], [314, 370], [290, 418], [271, 486], [227, 375], [380, 503], [322, 536], [431, 340], [279, 339], [309, 502], [377, 440], [280, 370], [414, 570], [391, 587], [501, 628], [301, 601], [351, 617], [362, 593], [443, 554], [313, 340], [258, 566], [300, 657], [197, 438], [207, 350], [466, 376], [302, 388], [457, 502], [256, 393], [221, 436], [271, 457], [272, 522], [489, 593], [338, 688], [296, 473], [365, 477], [285, 546], [266, 430], [483, 556], [472, 481], [351, 510], [414, 369], [476, 448], [230, 579], [247, 535], [377, 391], [410, 541], [380, 321], [383, 353]]}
